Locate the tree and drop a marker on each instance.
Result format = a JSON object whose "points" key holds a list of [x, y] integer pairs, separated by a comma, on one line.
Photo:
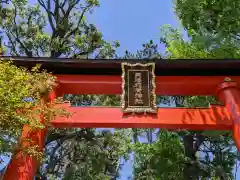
{"points": [[216, 18], [22, 95], [59, 29], [204, 155], [219, 147], [163, 159], [64, 33], [216, 38], [161, 156]]}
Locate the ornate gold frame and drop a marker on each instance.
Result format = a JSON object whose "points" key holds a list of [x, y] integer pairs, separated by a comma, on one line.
{"points": [[153, 107]]}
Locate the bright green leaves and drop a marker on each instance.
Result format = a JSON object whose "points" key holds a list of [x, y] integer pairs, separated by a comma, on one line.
{"points": [[209, 16], [199, 101], [21, 92], [21, 26], [47, 29], [198, 47], [93, 2], [214, 149], [163, 159]]}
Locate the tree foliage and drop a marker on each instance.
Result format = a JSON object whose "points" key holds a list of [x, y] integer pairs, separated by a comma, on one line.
{"points": [[22, 95], [59, 29], [162, 160], [210, 156], [206, 155], [210, 16], [53, 29]]}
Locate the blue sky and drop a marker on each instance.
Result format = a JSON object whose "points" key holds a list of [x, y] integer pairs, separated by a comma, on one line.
{"points": [[133, 22]]}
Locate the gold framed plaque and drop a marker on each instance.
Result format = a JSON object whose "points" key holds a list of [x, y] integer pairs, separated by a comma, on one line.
{"points": [[138, 88]]}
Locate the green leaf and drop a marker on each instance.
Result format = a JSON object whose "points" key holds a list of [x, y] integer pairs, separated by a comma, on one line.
{"points": [[214, 133]]}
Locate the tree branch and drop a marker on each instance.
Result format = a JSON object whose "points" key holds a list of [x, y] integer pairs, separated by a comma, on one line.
{"points": [[49, 13], [83, 133], [63, 4], [27, 52], [71, 6], [56, 11], [13, 48], [78, 24]]}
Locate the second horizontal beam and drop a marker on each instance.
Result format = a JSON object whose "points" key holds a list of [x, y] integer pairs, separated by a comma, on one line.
{"points": [[215, 117]]}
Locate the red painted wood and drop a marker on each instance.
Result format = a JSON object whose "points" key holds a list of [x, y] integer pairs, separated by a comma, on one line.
{"points": [[215, 117], [166, 85], [230, 96], [21, 166]]}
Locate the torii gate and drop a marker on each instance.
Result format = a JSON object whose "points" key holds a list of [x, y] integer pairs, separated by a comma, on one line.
{"points": [[173, 77]]}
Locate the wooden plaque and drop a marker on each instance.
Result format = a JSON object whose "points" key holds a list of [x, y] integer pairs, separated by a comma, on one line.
{"points": [[138, 88]]}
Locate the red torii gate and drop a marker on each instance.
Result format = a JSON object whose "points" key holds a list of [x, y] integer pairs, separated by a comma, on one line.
{"points": [[173, 77]]}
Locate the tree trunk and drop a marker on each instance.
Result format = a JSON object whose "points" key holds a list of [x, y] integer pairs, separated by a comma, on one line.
{"points": [[191, 145]]}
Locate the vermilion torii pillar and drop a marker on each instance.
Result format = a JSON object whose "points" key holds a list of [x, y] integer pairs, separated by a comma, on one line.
{"points": [[24, 167], [229, 94], [173, 77]]}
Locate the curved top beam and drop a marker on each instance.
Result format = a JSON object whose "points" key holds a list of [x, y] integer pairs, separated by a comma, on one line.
{"points": [[165, 67]]}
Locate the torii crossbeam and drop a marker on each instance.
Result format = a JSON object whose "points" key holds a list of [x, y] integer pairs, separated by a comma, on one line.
{"points": [[173, 77]]}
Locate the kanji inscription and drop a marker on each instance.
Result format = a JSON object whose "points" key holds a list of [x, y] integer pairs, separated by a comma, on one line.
{"points": [[138, 88]]}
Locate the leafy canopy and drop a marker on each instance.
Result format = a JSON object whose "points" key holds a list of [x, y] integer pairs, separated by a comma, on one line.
{"points": [[22, 95]]}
